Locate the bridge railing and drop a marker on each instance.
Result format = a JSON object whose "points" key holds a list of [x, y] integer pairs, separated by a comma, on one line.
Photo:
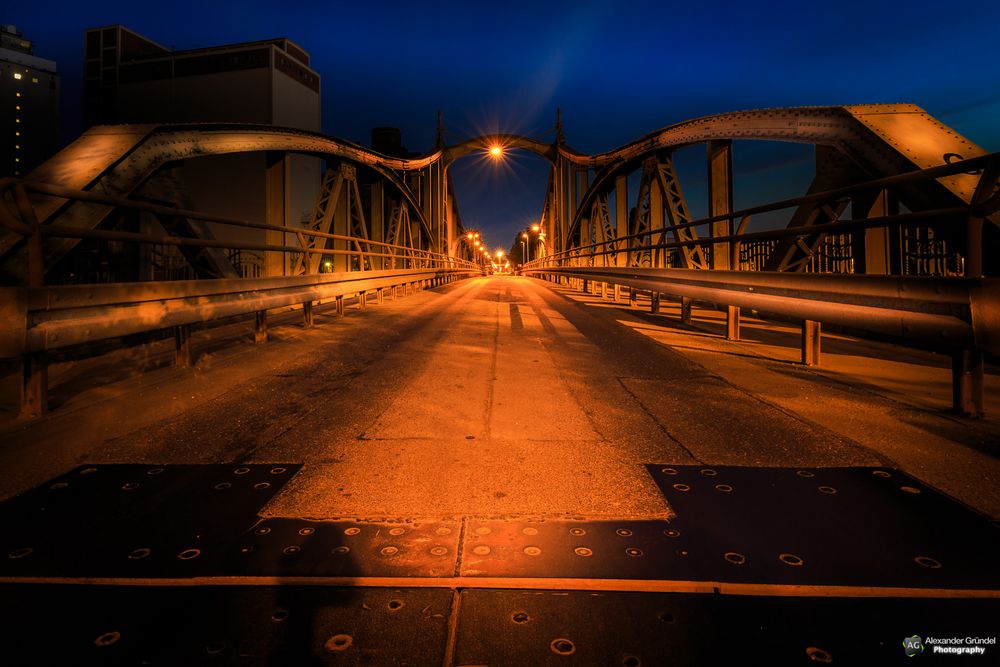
{"points": [[956, 315], [37, 320], [364, 252]]}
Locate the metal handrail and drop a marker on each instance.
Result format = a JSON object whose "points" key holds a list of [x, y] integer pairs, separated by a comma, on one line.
{"points": [[980, 209], [26, 229]]}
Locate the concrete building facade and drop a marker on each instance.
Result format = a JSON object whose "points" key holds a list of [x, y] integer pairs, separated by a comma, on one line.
{"points": [[130, 78]]}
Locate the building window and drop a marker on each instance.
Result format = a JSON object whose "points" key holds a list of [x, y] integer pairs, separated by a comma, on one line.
{"points": [[17, 75]]}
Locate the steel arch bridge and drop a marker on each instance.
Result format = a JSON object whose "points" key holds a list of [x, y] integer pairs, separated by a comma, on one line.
{"points": [[923, 199], [587, 198]]}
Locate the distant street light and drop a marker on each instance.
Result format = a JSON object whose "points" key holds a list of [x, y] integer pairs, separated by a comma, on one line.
{"points": [[524, 245], [496, 151]]}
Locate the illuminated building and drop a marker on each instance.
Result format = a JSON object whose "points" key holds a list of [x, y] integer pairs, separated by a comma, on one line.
{"points": [[29, 105]]}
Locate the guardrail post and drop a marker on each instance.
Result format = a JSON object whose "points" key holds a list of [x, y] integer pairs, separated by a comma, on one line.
{"points": [[182, 346], [362, 300], [967, 383], [633, 297], [586, 286], [654, 302], [812, 336], [340, 306], [685, 310], [618, 292], [378, 295], [34, 385], [307, 314], [733, 325], [260, 328]]}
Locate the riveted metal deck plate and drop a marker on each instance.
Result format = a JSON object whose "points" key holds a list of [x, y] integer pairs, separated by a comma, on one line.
{"points": [[134, 520], [291, 547], [575, 550], [252, 625], [508, 627], [827, 526]]}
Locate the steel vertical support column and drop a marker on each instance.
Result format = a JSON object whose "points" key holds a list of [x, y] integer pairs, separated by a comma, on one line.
{"points": [[260, 327], [182, 346], [277, 197], [621, 219], [34, 365], [985, 189], [342, 227], [967, 383], [720, 202], [720, 199], [376, 221], [812, 336], [427, 203], [657, 198], [36, 254], [870, 247]]}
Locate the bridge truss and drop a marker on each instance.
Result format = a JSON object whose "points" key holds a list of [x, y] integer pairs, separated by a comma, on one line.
{"points": [[923, 205]]}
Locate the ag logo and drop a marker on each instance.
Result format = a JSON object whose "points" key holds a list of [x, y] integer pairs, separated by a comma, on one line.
{"points": [[913, 646]]}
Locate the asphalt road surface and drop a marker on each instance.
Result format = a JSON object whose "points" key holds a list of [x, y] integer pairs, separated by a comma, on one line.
{"points": [[494, 397]]}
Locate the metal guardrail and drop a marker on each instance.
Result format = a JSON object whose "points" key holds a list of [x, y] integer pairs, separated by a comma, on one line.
{"points": [[941, 313], [37, 320], [45, 319], [955, 315]]}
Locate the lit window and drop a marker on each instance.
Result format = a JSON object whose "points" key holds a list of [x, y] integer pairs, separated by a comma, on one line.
{"points": [[17, 134], [17, 94], [17, 107], [17, 159], [17, 147], [17, 75], [17, 120], [34, 80]]}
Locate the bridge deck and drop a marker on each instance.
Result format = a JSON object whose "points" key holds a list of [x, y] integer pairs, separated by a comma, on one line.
{"points": [[489, 417]]}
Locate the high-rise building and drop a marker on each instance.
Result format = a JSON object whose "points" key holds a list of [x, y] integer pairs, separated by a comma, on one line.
{"points": [[29, 105], [129, 78]]}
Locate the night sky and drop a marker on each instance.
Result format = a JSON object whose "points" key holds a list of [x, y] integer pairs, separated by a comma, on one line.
{"points": [[617, 70]]}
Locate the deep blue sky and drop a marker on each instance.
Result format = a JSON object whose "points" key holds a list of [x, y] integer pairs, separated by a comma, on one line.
{"points": [[617, 69]]}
